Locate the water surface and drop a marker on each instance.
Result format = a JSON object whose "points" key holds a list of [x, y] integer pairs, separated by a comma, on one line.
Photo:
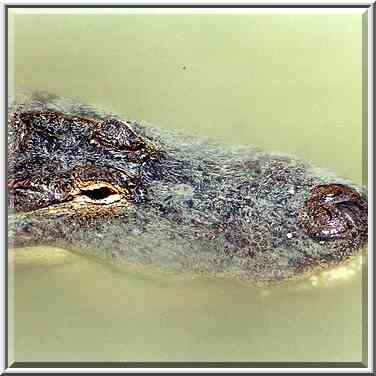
{"points": [[290, 83]]}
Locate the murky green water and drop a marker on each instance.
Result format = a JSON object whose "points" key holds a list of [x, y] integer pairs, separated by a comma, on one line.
{"points": [[284, 82]]}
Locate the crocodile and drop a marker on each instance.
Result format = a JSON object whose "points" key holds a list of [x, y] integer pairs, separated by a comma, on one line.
{"points": [[92, 182]]}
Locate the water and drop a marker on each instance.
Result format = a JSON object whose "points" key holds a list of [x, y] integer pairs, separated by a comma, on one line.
{"points": [[283, 82]]}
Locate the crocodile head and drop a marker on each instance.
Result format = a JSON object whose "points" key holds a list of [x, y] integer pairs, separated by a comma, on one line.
{"points": [[93, 183]]}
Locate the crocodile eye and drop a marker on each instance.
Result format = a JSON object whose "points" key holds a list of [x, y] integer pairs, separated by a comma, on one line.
{"points": [[99, 193], [335, 211]]}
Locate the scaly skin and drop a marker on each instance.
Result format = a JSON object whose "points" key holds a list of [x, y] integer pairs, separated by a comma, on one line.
{"points": [[91, 182]]}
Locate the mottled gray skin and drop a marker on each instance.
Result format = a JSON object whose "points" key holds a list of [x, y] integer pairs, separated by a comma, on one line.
{"points": [[199, 207]]}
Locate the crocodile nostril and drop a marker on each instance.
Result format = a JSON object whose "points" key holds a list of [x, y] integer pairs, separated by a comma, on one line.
{"points": [[335, 211]]}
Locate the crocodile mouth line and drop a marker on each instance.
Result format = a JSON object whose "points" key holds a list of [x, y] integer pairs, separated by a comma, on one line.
{"points": [[69, 208]]}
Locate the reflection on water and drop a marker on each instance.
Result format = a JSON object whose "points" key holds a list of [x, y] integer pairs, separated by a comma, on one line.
{"points": [[268, 80]]}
